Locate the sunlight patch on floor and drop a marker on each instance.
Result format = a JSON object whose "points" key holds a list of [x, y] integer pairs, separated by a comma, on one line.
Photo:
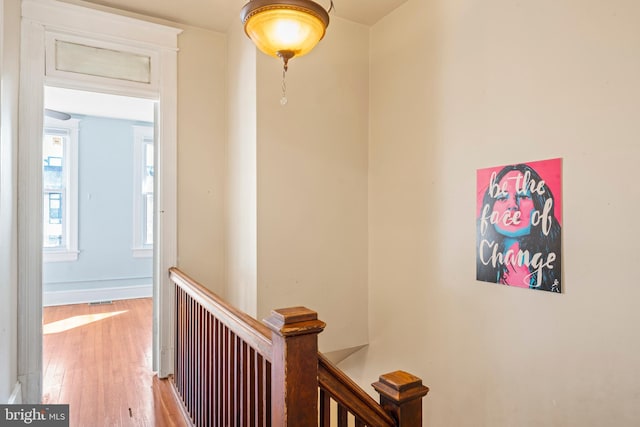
{"points": [[76, 321]]}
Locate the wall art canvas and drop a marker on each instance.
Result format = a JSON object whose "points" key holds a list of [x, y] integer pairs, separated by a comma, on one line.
{"points": [[519, 222]]}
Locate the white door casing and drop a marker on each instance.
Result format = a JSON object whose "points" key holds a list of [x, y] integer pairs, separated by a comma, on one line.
{"points": [[47, 25]]}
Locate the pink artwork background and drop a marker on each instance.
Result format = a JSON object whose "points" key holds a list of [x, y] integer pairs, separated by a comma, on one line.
{"points": [[549, 170]]}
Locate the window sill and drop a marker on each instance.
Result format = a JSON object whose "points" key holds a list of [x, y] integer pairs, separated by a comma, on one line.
{"points": [[142, 252], [59, 256]]}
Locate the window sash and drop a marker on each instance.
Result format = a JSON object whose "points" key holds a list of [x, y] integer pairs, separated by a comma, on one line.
{"points": [[143, 209]]}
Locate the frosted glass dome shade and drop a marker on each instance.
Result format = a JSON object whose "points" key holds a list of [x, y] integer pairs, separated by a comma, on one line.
{"points": [[284, 28]]}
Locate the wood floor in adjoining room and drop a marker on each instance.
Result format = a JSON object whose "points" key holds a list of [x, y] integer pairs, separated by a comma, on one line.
{"points": [[97, 359]]}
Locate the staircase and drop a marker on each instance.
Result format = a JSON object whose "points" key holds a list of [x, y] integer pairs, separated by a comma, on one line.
{"points": [[232, 370]]}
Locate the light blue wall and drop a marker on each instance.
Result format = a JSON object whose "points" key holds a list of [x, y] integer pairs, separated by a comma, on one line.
{"points": [[105, 210]]}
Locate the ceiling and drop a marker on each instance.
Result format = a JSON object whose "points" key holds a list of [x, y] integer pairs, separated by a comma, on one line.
{"points": [[217, 15], [98, 104]]}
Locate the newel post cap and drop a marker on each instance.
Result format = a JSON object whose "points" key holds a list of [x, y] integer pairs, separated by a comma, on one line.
{"points": [[400, 387], [293, 321]]}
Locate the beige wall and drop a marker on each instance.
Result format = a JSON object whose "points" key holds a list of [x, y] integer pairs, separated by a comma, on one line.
{"points": [[241, 165], [462, 85], [201, 155], [312, 184], [9, 55]]}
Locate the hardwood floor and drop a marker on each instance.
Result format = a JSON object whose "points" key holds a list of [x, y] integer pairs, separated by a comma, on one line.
{"points": [[97, 359]]}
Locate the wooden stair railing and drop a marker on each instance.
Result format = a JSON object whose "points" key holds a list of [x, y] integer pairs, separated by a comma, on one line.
{"points": [[232, 370], [337, 387], [400, 395]]}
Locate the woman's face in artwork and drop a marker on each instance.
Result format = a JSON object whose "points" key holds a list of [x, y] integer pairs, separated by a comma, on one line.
{"points": [[513, 206]]}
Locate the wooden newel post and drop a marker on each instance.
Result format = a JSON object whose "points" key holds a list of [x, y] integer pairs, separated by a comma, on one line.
{"points": [[401, 397], [294, 366]]}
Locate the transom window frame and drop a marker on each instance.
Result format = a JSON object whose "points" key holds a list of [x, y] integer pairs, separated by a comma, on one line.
{"points": [[114, 51]]}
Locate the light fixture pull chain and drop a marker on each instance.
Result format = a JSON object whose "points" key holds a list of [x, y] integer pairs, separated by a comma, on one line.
{"points": [[283, 100]]}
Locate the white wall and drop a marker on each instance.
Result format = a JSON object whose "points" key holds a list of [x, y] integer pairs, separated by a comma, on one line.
{"points": [[201, 155], [241, 179], [461, 85], [312, 184], [9, 55]]}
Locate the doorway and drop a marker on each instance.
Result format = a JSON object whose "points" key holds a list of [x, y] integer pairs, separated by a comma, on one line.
{"points": [[98, 172], [98, 169], [92, 41]]}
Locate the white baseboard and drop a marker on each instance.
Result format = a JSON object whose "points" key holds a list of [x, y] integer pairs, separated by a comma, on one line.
{"points": [[96, 295], [16, 395]]}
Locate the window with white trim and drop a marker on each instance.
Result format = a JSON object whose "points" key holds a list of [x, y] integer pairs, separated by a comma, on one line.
{"points": [[143, 191], [60, 190]]}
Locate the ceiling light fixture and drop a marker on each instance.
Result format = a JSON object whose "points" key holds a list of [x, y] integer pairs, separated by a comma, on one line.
{"points": [[285, 28]]}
